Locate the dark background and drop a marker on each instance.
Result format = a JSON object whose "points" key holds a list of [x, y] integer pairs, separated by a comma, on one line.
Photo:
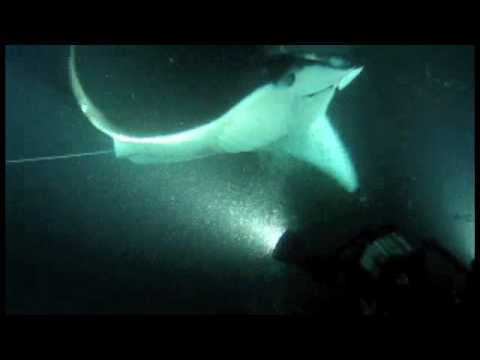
{"points": [[102, 235]]}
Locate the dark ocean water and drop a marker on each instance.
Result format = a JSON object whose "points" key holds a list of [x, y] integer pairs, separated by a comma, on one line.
{"points": [[102, 235]]}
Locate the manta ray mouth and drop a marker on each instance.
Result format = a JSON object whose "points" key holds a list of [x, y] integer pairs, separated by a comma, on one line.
{"points": [[311, 95]]}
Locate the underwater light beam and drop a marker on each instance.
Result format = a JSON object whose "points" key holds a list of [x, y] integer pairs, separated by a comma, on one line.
{"points": [[287, 116], [269, 234]]}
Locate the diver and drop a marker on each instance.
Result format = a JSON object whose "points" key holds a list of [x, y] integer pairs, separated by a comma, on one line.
{"points": [[380, 272]]}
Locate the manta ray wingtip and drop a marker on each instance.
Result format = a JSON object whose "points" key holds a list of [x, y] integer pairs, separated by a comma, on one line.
{"points": [[349, 77]]}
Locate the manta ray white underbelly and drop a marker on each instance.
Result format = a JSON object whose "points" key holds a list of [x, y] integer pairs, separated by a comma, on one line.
{"points": [[288, 117]]}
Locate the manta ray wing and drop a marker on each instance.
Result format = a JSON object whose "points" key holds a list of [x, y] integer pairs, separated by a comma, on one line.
{"points": [[287, 119], [256, 121], [319, 145]]}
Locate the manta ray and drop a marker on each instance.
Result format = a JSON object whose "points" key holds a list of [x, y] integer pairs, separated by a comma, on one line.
{"points": [[286, 117]]}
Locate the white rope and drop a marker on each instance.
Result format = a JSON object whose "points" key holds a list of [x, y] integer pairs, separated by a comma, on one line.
{"points": [[58, 157]]}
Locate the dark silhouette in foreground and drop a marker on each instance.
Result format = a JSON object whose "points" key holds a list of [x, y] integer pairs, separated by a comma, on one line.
{"points": [[381, 272]]}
